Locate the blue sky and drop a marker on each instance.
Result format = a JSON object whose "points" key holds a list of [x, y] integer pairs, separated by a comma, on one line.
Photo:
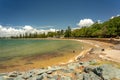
{"points": [[57, 14]]}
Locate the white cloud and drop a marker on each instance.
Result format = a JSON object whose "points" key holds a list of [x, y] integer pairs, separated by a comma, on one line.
{"points": [[115, 16], [27, 27], [10, 31], [44, 27], [85, 22], [112, 17], [7, 31]]}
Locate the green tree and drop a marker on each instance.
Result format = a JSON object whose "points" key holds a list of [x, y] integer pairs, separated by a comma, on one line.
{"points": [[68, 32]]}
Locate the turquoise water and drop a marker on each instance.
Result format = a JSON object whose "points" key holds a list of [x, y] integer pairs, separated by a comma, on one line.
{"points": [[10, 48]]}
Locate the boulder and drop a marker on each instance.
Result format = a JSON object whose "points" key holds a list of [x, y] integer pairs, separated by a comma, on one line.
{"points": [[27, 75], [40, 72], [40, 77], [98, 71], [13, 74], [91, 76], [1, 78], [19, 78], [87, 69], [109, 72]]}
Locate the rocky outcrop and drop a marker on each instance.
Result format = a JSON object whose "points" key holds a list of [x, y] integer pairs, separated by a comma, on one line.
{"points": [[72, 71]]}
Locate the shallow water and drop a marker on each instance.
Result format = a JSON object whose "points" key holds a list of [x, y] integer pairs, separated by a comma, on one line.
{"points": [[25, 54], [10, 48]]}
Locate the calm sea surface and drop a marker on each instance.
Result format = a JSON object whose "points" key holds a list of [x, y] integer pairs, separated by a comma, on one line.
{"points": [[10, 48]]}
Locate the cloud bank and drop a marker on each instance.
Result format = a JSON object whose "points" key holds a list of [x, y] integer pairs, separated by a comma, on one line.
{"points": [[85, 22], [10, 31]]}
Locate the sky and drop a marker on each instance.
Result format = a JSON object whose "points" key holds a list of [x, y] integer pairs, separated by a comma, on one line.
{"points": [[55, 14]]}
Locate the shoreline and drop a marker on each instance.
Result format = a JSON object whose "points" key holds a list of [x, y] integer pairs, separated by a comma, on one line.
{"points": [[87, 67], [84, 52]]}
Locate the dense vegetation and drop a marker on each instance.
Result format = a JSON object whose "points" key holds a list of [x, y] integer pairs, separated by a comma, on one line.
{"points": [[110, 28]]}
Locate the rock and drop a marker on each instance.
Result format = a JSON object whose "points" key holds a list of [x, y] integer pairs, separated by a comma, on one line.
{"points": [[90, 76], [109, 72], [104, 72], [10, 78], [87, 69], [65, 78], [86, 76], [33, 78], [40, 77], [92, 62], [81, 63], [98, 71], [20, 73], [86, 64], [53, 77], [52, 69], [13, 74], [49, 72], [42, 71], [73, 65], [79, 76], [19, 78], [27, 75], [67, 70], [1, 78], [45, 75]]}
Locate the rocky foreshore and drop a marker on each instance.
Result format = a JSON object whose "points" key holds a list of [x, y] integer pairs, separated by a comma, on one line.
{"points": [[71, 71]]}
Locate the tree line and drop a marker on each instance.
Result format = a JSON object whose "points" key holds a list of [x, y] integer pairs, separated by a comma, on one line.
{"points": [[107, 29], [56, 34]]}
